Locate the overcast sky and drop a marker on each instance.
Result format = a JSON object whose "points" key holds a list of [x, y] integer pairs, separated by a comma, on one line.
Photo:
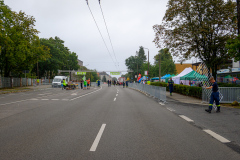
{"points": [[129, 22]]}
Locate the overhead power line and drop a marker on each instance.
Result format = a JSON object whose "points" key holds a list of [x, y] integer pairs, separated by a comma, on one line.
{"points": [[100, 32], [108, 31]]}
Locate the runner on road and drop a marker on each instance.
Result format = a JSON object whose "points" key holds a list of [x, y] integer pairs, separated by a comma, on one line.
{"points": [[170, 84]]}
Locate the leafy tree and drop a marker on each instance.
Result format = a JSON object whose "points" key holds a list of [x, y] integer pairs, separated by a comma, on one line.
{"points": [[61, 58], [167, 63], [198, 28], [135, 63], [104, 79], [114, 78], [19, 42], [233, 46]]}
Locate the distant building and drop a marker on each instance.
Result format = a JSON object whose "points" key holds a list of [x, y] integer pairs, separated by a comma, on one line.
{"points": [[181, 67], [80, 63], [102, 74]]}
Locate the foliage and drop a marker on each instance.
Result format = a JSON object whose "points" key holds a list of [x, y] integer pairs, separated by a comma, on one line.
{"points": [[135, 63], [104, 79], [233, 46], [182, 89], [198, 28], [228, 85], [235, 103], [19, 42], [167, 63], [61, 58]]}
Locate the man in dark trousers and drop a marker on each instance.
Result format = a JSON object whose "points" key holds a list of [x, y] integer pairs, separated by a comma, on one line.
{"points": [[170, 84], [214, 96], [108, 83]]}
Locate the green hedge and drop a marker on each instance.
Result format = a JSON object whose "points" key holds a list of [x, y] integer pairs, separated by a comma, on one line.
{"points": [[182, 89], [228, 85]]}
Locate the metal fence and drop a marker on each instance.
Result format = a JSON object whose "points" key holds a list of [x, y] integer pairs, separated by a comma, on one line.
{"points": [[7, 82], [155, 91], [229, 94]]}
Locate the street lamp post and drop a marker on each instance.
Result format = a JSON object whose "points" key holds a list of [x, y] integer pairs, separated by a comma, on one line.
{"points": [[148, 63]]}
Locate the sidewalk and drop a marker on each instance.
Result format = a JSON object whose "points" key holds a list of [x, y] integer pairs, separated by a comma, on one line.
{"points": [[23, 89], [184, 99]]}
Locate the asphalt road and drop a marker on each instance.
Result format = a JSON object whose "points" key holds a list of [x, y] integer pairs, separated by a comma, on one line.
{"points": [[103, 123]]}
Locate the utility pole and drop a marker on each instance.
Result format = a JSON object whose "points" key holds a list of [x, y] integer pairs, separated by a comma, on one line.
{"points": [[238, 15], [159, 67], [148, 63], [148, 66]]}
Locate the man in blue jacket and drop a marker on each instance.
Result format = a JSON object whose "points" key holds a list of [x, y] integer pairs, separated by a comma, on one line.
{"points": [[214, 96]]}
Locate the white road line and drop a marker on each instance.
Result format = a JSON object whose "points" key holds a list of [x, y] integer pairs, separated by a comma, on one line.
{"points": [[74, 94], [54, 99], [34, 99], [12, 102], [217, 136], [115, 99], [186, 118], [170, 109], [97, 139], [44, 99], [116, 94]]}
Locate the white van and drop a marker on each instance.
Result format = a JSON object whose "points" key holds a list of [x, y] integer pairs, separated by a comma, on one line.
{"points": [[57, 81]]}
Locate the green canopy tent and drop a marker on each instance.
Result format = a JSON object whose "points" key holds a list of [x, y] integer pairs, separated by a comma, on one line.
{"points": [[192, 76], [230, 77]]}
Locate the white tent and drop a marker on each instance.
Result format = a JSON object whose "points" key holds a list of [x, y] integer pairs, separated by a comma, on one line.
{"points": [[176, 79]]}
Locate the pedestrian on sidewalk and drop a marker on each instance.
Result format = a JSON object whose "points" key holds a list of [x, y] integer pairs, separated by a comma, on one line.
{"points": [[123, 84], [110, 82], [214, 96], [170, 85]]}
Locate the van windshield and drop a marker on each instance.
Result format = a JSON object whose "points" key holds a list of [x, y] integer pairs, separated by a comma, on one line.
{"points": [[57, 80]]}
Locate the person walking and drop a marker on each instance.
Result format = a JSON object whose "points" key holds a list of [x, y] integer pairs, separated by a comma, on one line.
{"points": [[214, 96], [170, 85], [108, 83], [81, 81], [64, 84], [98, 83], [85, 84], [123, 84]]}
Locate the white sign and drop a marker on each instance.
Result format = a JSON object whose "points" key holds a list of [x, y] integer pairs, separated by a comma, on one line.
{"points": [[146, 72], [223, 71], [235, 69]]}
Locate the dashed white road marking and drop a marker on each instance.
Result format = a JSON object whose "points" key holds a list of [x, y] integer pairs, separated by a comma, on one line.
{"points": [[74, 94], [97, 139], [12, 102], [116, 94], [45, 99], [115, 99], [34, 99], [217, 136], [170, 109], [54, 99], [186, 118]]}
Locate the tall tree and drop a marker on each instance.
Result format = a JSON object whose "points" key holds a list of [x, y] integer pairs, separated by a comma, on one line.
{"points": [[198, 28], [167, 63], [19, 42]]}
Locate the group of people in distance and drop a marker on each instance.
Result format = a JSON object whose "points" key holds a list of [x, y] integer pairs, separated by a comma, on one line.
{"points": [[117, 83]]}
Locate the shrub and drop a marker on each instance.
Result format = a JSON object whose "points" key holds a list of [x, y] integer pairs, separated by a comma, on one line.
{"points": [[235, 103], [182, 89]]}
